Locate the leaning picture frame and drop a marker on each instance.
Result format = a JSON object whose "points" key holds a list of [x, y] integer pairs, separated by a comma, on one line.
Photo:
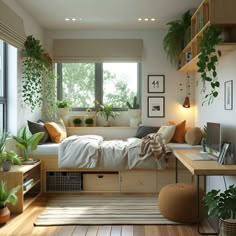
{"points": [[156, 83], [228, 95], [156, 106]]}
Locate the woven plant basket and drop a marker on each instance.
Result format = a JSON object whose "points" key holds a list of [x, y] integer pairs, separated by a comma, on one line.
{"points": [[227, 227]]}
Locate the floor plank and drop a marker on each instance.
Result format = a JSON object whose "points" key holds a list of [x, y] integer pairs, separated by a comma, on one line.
{"points": [[22, 225]]}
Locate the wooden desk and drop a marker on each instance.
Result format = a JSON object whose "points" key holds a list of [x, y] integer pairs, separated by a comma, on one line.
{"points": [[202, 168]]}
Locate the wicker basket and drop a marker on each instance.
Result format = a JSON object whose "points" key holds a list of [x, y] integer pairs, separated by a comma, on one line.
{"points": [[227, 227]]}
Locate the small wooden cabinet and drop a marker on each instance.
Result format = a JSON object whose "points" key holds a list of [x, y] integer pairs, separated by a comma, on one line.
{"points": [[210, 12], [18, 175]]}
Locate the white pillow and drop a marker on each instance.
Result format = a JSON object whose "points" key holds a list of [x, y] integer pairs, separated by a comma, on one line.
{"points": [[167, 132]]}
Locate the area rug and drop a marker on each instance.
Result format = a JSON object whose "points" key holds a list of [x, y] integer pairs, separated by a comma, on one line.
{"points": [[101, 210]]}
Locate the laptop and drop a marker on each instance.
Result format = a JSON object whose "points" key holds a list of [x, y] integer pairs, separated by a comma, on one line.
{"points": [[202, 156]]}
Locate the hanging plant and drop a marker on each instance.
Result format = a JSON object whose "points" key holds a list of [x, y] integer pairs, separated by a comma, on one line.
{"points": [[208, 60], [37, 71], [173, 42]]}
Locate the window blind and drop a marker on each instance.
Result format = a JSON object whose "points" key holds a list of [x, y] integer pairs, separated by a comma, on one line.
{"points": [[11, 26], [97, 50]]}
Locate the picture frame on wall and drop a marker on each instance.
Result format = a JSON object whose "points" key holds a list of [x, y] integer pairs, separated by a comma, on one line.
{"points": [[156, 106], [156, 83], [228, 95]]}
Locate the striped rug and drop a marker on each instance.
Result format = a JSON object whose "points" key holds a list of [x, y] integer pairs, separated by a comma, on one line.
{"points": [[101, 210]]}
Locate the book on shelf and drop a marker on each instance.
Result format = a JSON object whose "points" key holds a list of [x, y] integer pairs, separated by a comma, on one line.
{"points": [[27, 184]]}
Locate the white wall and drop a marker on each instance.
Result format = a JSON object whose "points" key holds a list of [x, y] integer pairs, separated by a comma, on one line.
{"points": [[154, 62], [216, 113], [18, 116]]}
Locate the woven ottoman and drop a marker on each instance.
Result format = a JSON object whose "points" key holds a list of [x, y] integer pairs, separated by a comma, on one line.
{"points": [[178, 202]]}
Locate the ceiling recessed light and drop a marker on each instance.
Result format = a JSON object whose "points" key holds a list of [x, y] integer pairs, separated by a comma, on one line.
{"points": [[140, 19], [153, 19], [146, 19], [80, 19], [67, 19], [73, 19]]}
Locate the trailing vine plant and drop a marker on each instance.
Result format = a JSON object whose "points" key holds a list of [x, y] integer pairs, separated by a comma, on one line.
{"points": [[207, 62], [37, 71]]}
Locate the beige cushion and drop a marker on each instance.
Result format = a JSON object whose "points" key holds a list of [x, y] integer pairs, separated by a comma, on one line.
{"points": [[193, 136], [167, 132]]}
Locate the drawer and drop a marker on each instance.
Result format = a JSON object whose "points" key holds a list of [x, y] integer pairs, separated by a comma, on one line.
{"points": [[101, 182], [138, 181]]}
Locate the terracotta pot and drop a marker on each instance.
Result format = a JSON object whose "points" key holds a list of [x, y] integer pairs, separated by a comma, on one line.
{"points": [[4, 215]]}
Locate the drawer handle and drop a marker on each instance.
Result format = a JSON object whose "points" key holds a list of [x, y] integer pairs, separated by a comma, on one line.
{"points": [[100, 176]]}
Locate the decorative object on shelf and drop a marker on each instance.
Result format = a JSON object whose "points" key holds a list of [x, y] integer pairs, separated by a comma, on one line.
{"points": [[37, 69], [156, 107], [107, 112], [77, 122], [7, 197], [208, 60], [134, 113], [8, 158], [27, 142], [89, 121], [222, 205], [186, 103], [156, 83], [174, 40], [63, 108], [228, 96]]}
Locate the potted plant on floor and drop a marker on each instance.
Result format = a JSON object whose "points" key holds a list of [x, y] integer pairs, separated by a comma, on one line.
{"points": [[222, 205], [107, 112], [27, 142], [7, 197]]}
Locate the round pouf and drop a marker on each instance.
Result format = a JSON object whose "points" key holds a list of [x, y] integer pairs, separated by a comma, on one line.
{"points": [[178, 202]]}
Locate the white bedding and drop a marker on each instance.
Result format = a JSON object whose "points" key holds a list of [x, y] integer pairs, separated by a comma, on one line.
{"points": [[92, 151]]}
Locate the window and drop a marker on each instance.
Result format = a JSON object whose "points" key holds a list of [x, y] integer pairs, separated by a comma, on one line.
{"points": [[109, 83], [3, 88]]}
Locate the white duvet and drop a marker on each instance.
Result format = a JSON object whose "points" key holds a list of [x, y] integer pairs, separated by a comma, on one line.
{"points": [[92, 151]]}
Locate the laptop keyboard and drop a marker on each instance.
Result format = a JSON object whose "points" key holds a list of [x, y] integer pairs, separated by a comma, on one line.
{"points": [[201, 157]]}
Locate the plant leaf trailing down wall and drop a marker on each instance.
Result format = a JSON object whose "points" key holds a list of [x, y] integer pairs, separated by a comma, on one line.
{"points": [[38, 77], [208, 60]]}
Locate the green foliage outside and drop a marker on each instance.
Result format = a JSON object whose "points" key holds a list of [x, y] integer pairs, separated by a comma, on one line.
{"points": [[79, 87]]}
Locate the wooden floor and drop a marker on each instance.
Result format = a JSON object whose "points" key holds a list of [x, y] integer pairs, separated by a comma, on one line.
{"points": [[22, 225]]}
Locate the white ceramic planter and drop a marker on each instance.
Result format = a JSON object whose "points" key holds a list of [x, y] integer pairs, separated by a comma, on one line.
{"points": [[134, 117]]}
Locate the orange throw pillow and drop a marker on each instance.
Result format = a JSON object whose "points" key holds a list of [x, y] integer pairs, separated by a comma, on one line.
{"points": [[179, 135], [57, 132]]}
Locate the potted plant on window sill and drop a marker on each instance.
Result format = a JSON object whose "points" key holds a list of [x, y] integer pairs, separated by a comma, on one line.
{"points": [[223, 206], [107, 112], [63, 107], [77, 122], [134, 113], [7, 197], [89, 121]]}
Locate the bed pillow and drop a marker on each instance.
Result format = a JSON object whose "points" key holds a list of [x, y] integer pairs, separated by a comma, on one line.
{"points": [[193, 136], [38, 127], [145, 130], [57, 131], [179, 135], [167, 132]]}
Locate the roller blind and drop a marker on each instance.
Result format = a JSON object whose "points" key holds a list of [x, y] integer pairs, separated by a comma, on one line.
{"points": [[97, 50], [11, 26]]}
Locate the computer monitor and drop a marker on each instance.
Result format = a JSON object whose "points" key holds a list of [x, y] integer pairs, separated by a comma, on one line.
{"points": [[213, 140]]}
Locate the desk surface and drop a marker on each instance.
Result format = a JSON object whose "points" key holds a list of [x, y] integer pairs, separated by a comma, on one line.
{"points": [[203, 167]]}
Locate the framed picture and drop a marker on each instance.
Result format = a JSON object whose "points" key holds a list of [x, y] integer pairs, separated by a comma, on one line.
{"points": [[156, 107], [228, 101], [156, 83]]}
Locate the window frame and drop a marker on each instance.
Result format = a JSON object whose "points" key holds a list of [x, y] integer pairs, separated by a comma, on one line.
{"points": [[3, 99], [98, 85]]}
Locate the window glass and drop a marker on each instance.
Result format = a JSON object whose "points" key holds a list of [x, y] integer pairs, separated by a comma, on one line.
{"points": [[109, 83], [1, 117], [78, 83], [1, 68], [119, 83]]}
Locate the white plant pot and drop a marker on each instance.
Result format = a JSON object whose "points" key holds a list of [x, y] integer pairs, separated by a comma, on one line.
{"points": [[134, 117]]}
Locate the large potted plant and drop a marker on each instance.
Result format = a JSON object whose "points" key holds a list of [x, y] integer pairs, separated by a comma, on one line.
{"points": [[208, 60], [27, 142], [222, 205], [107, 112], [7, 197], [174, 40]]}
